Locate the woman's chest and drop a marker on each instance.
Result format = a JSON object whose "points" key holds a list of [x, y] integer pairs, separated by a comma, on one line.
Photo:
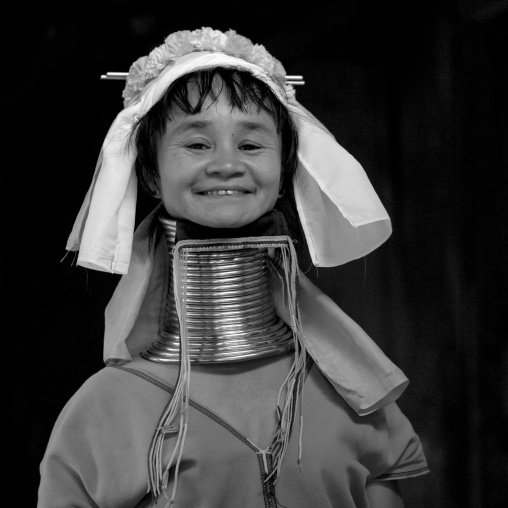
{"points": [[245, 396]]}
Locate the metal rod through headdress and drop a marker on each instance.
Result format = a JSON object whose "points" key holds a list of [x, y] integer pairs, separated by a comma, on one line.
{"points": [[122, 76]]}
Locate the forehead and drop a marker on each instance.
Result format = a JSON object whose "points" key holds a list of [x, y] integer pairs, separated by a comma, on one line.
{"points": [[218, 110]]}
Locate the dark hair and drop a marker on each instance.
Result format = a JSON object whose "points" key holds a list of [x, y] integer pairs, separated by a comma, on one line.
{"points": [[242, 90]]}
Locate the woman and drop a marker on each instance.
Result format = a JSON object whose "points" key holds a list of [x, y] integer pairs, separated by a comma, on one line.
{"points": [[230, 380]]}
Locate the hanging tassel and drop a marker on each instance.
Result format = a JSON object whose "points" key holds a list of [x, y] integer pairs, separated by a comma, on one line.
{"points": [[178, 407], [294, 380]]}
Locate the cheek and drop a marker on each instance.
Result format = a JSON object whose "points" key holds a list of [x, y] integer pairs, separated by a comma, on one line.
{"points": [[170, 189], [172, 173], [274, 179]]}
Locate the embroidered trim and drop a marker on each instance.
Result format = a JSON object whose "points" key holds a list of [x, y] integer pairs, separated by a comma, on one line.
{"points": [[265, 457], [202, 409], [405, 474], [195, 405]]}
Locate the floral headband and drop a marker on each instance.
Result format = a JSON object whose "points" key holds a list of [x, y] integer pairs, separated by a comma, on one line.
{"points": [[179, 44], [341, 215]]}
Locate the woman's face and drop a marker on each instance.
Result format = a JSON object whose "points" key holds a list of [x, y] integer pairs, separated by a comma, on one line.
{"points": [[221, 167]]}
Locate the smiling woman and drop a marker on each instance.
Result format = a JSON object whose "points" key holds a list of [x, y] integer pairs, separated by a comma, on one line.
{"points": [[212, 128], [221, 166], [217, 132]]}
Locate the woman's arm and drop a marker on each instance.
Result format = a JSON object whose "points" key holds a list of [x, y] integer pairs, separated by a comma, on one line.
{"points": [[384, 494]]}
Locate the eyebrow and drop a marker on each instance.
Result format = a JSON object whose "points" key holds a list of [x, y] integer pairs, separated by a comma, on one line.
{"points": [[256, 126], [248, 125], [189, 125]]}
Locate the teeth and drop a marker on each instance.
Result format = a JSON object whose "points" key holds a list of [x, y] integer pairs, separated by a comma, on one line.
{"points": [[222, 192]]}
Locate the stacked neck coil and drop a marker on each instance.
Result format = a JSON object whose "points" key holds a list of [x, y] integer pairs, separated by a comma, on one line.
{"points": [[230, 314]]}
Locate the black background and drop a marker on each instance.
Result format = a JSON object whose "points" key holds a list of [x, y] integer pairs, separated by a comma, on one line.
{"points": [[416, 91]]}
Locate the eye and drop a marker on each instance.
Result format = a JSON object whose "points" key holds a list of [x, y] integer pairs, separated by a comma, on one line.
{"points": [[249, 147], [197, 146]]}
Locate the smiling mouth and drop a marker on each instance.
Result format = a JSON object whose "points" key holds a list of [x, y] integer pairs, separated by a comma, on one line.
{"points": [[223, 192]]}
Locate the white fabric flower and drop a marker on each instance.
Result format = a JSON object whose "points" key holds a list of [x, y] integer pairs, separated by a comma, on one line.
{"points": [[181, 43], [261, 57], [237, 45]]}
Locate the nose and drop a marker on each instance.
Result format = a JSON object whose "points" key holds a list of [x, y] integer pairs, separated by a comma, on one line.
{"points": [[226, 163]]}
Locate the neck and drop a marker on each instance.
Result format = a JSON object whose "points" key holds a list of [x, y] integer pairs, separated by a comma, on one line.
{"points": [[229, 310]]}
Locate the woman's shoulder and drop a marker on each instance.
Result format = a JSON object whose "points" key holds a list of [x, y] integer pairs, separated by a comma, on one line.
{"points": [[99, 442], [112, 409], [114, 392], [321, 398], [384, 441]]}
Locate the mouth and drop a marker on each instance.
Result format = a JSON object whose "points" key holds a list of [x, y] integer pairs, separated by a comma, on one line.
{"points": [[224, 192]]}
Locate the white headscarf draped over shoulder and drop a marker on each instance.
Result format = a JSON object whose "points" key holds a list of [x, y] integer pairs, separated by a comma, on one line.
{"points": [[341, 214]]}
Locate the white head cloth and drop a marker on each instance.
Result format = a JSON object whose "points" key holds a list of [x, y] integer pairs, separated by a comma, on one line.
{"points": [[341, 214]]}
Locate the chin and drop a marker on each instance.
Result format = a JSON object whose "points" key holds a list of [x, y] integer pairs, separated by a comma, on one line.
{"points": [[227, 221], [225, 224]]}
